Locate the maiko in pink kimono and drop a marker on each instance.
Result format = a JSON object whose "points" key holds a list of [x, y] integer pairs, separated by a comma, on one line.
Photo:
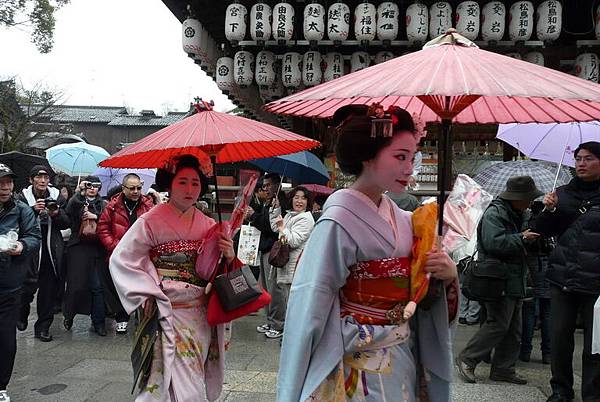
{"points": [[156, 260]]}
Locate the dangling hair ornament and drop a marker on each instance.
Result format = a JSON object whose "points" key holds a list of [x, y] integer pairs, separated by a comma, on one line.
{"points": [[382, 122], [206, 166], [420, 131]]}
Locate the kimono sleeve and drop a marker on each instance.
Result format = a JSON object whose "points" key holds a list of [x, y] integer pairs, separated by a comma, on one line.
{"points": [[133, 272], [312, 345]]}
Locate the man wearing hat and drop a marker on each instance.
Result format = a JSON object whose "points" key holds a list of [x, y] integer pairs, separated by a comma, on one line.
{"points": [[501, 238], [15, 216], [572, 213], [44, 265]]}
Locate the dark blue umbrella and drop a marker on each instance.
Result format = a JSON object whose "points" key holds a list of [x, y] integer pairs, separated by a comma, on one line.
{"points": [[302, 166]]}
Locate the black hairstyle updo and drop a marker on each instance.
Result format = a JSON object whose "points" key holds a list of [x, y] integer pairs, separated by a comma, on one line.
{"points": [[164, 176], [355, 144]]}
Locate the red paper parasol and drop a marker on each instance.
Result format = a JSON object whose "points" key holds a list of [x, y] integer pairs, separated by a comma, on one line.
{"points": [[452, 80]]}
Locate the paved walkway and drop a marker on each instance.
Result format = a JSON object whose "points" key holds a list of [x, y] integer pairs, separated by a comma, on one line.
{"points": [[80, 366]]}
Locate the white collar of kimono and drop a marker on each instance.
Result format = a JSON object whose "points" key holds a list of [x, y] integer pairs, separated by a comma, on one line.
{"points": [[384, 209]]}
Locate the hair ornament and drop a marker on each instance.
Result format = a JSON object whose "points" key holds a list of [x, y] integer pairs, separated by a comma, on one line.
{"points": [[420, 131], [382, 122], [206, 166]]}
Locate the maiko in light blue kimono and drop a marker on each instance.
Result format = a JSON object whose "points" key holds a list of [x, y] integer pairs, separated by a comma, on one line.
{"points": [[326, 357]]}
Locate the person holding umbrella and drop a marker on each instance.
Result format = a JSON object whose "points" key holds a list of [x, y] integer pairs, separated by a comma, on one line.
{"points": [[572, 213]]}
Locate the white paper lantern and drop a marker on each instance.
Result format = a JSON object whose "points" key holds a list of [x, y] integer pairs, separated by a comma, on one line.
{"points": [[383, 56], [365, 22], [440, 18], [493, 21], [243, 72], [311, 68], [201, 57], [587, 66], [314, 22], [235, 22], [535, 58], [260, 22], [359, 60], [388, 14], [549, 20], [291, 69], [417, 23], [283, 22], [598, 23], [191, 31], [514, 55], [264, 72], [276, 90], [338, 22], [334, 66], [520, 21], [467, 19], [224, 77]]}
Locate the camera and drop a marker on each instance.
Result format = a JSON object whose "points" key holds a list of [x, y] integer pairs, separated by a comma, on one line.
{"points": [[51, 204], [88, 184]]}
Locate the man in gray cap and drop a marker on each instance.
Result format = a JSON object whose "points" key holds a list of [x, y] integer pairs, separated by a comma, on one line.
{"points": [[501, 238], [17, 217]]}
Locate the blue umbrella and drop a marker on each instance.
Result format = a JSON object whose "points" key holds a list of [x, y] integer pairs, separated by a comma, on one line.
{"points": [[111, 177], [302, 166], [77, 159]]}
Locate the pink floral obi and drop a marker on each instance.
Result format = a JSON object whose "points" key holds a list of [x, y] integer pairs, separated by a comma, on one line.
{"points": [[376, 287], [176, 260]]}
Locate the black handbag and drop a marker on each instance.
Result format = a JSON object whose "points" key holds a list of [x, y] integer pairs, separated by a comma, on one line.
{"points": [[279, 255], [146, 333], [237, 288]]}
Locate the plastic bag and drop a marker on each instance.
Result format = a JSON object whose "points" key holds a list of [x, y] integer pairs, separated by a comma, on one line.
{"points": [[8, 241]]}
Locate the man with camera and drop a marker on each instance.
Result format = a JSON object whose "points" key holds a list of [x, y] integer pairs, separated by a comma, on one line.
{"points": [[45, 264], [18, 221]]}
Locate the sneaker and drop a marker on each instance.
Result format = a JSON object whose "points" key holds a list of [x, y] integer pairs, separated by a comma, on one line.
{"points": [[263, 329], [511, 378], [122, 327], [273, 334], [466, 372], [4, 396]]}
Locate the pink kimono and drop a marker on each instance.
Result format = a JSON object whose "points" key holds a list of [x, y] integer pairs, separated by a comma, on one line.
{"points": [[188, 362]]}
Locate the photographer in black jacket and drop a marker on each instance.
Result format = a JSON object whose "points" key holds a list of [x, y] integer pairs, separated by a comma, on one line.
{"points": [[573, 214], [46, 262]]}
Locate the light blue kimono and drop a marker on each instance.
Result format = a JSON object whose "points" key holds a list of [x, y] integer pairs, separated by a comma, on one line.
{"points": [[316, 338]]}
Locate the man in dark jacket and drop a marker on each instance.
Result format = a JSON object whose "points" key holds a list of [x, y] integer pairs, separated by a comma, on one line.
{"points": [[18, 217], [45, 264], [573, 214], [118, 216], [500, 237], [268, 275]]}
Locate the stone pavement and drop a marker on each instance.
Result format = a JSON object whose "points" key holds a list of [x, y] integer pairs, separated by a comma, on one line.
{"points": [[81, 366]]}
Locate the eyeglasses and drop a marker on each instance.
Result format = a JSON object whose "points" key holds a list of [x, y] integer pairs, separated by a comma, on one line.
{"points": [[133, 188]]}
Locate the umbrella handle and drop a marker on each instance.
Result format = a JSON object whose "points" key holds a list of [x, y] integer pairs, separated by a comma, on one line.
{"points": [[562, 159]]}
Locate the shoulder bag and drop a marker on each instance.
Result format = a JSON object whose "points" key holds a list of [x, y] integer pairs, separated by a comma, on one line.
{"points": [[87, 228], [279, 255]]}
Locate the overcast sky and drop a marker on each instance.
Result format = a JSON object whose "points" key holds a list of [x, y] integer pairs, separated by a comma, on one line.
{"points": [[112, 53]]}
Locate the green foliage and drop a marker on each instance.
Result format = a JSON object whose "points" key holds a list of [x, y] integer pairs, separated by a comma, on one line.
{"points": [[36, 15]]}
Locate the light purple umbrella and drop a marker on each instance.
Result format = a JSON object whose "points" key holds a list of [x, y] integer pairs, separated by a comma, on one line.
{"points": [[111, 177], [554, 142]]}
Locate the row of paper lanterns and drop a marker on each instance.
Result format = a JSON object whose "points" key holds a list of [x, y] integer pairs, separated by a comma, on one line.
{"points": [[383, 21]]}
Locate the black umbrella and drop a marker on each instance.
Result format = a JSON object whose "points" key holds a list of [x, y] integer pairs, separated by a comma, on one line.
{"points": [[21, 165]]}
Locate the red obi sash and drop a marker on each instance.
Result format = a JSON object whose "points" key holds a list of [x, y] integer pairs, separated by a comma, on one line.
{"points": [[376, 288], [176, 260]]}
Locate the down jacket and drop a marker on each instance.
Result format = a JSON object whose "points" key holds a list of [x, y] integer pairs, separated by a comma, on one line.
{"points": [[114, 221], [297, 228], [575, 262]]}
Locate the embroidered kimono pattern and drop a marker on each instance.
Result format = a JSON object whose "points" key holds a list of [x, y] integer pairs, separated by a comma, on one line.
{"points": [[356, 353], [156, 259]]}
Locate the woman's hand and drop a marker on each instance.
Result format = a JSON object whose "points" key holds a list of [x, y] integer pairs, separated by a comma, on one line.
{"points": [[279, 223], [225, 245], [89, 215], [441, 266]]}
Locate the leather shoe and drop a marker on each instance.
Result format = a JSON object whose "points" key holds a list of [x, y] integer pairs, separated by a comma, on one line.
{"points": [[467, 373], [101, 331], [68, 323], [511, 378], [44, 336], [21, 325]]}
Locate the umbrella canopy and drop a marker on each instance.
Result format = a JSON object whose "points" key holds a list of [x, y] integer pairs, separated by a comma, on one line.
{"points": [[76, 159], [208, 133], [303, 166], [110, 177], [493, 180], [21, 165], [451, 78], [549, 142], [317, 189]]}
